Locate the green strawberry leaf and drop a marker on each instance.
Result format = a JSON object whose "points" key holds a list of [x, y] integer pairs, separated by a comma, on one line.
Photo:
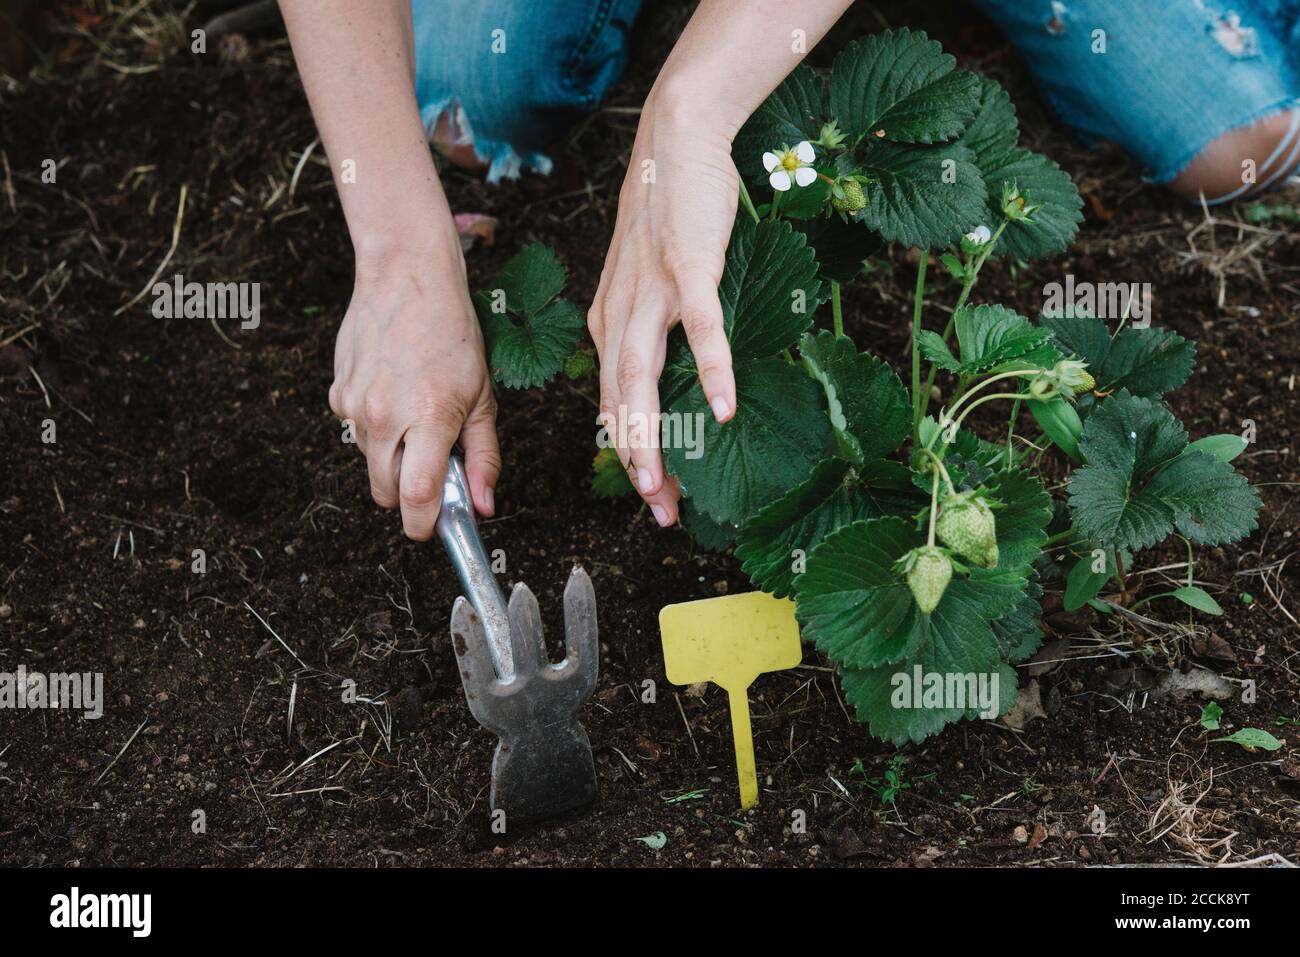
{"points": [[1147, 362], [874, 691], [779, 431], [901, 85], [917, 197], [1140, 482], [1025, 509], [775, 543], [794, 111], [1019, 634], [856, 607], [708, 534], [868, 406], [529, 332], [992, 133], [608, 477], [1052, 227], [987, 337], [840, 246]]}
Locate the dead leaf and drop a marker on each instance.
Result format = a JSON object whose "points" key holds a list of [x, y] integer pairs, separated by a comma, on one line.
{"points": [[1049, 657], [1028, 706], [1040, 835], [1213, 647], [928, 856], [848, 844]]}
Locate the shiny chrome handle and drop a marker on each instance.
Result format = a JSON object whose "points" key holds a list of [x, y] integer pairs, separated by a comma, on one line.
{"points": [[459, 534]]}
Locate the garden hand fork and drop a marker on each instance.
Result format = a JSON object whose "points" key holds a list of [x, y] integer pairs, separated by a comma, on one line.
{"points": [[542, 766]]}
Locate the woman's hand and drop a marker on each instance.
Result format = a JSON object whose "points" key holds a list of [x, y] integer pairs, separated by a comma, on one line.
{"points": [[409, 372], [408, 362], [676, 211], [675, 214]]}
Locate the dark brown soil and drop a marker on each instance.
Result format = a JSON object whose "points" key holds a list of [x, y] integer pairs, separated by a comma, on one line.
{"points": [[171, 437]]}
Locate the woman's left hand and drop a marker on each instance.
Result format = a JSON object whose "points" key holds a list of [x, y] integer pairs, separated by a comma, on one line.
{"points": [[675, 214]]}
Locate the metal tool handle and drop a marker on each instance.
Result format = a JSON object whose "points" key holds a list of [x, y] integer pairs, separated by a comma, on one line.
{"points": [[459, 534]]}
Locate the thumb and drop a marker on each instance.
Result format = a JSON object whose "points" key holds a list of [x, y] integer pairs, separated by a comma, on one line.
{"points": [[478, 437]]}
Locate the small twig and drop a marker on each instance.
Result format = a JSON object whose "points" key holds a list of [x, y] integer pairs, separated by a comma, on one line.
{"points": [[302, 161], [41, 383], [275, 636], [689, 732], [123, 751], [176, 239]]}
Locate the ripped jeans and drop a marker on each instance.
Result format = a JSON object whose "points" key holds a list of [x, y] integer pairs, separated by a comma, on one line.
{"points": [[1162, 78], [512, 75]]}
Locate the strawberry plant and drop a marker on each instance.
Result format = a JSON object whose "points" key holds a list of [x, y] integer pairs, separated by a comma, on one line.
{"points": [[530, 332], [909, 543]]}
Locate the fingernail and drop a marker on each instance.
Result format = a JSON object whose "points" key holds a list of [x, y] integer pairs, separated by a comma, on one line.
{"points": [[489, 499], [644, 480], [661, 515], [721, 408]]}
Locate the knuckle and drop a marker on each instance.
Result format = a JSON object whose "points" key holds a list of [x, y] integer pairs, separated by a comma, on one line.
{"points": [[596, 324], [631, 369], [419, 491], [348, 403], [377, 409], [698, 322], [490, 460], [708, 362], [429, 408]]}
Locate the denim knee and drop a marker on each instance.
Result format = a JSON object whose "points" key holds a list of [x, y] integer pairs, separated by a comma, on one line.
{"points": [[513, 75], [1162, 78]]}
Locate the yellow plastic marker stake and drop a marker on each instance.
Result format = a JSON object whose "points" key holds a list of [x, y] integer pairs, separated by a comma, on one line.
{"points": [[731, 641]]}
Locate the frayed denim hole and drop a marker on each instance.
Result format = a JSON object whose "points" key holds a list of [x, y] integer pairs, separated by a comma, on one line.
{"points": [[1239, 41], [1058, 18], [504, 161]]}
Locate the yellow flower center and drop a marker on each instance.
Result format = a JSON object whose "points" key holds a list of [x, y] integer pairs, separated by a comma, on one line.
{"points": [[790, 162]]}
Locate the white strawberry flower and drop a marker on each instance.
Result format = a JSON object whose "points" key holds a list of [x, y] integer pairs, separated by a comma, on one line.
{"points": [[790, 167], [979, 235]]}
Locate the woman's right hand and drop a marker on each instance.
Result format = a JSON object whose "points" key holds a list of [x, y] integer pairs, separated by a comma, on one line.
{"points": [[410, 373]]}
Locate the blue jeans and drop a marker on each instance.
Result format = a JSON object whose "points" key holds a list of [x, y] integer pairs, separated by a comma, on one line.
{"points": [[1163, 78], [513, 74], [1174, 75]]}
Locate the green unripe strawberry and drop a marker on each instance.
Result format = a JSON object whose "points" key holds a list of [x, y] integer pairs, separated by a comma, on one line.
{"points": [[853, 199], [1086, 383], [580, 365], [928, 574], [966, 525]]}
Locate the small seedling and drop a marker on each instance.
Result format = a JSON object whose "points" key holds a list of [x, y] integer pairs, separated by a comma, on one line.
{"points": [[1210, 716], [1252, 739]]}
